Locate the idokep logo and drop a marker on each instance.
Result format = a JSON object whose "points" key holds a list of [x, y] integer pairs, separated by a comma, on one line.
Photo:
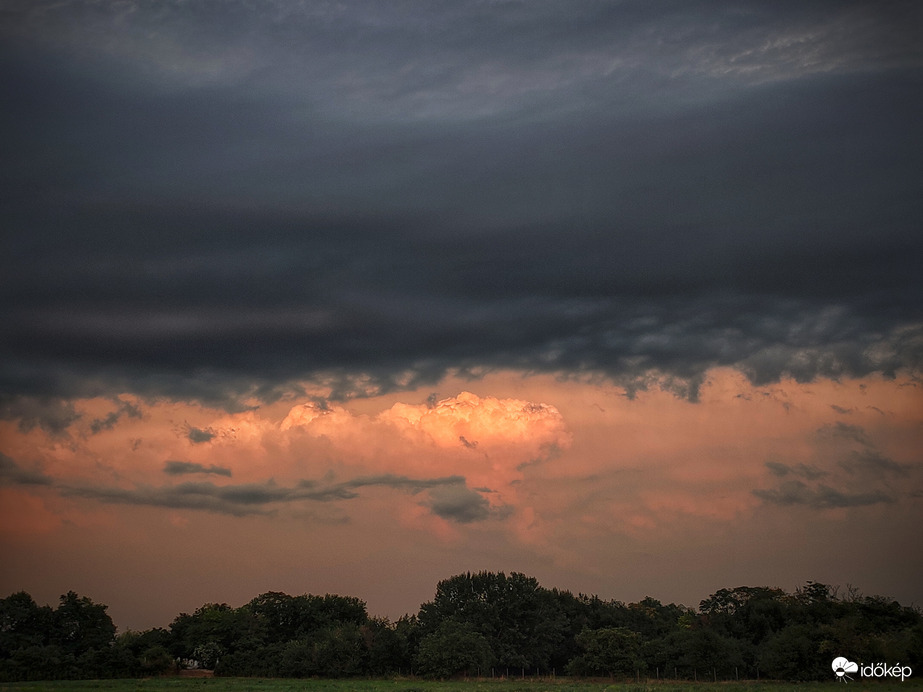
{"points": [[842, 666]]}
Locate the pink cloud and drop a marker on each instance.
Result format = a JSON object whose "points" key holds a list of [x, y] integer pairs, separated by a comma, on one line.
{"points": [[569, 479]]}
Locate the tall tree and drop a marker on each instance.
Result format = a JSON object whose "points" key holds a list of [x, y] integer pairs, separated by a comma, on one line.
{"points": [[79, 624], [522, 622]]}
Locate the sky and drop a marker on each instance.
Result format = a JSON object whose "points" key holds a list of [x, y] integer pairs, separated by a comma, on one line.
{"points": [[352, 297]]}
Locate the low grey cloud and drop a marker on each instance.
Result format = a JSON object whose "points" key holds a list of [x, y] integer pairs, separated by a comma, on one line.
{"points": [[806, 471], [856, 476], [874, 463], [466, 443], [265, 498], [11, 472], [126, 408], [239, 500], [795, 492], [199, 436], [412, 485], [845, 431], [777, 468], [179, 468], [459, 504]]}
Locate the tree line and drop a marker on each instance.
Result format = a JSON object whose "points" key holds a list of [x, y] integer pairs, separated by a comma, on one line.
{"points": [[478, 624]]}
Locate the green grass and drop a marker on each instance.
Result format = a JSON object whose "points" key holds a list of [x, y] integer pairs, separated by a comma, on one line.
{"points": [[412, 685]]}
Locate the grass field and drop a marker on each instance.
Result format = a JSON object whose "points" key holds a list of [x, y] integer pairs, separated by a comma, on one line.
{"points": [[412, 685]]}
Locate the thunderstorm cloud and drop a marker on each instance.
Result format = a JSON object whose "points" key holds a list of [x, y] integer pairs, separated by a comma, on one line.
{"points": [[217, 204]]}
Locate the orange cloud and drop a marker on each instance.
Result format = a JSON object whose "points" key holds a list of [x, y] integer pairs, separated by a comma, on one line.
{"points": [[565, 475], [488, 441]]}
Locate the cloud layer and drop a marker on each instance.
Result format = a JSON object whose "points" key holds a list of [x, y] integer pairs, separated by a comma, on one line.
{"points": [[220, 203], [600, 492]]}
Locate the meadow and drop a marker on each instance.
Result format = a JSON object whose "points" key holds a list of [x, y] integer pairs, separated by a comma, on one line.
{"points": [[175, 684]]}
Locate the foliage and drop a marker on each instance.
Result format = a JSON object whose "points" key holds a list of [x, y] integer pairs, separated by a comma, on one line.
{"points": [[608, 651], [522, 623], [75, 640], [455, 648], [477, 624]]}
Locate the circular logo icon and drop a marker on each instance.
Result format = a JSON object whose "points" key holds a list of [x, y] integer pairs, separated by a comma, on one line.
{"points": [[841, 666]]}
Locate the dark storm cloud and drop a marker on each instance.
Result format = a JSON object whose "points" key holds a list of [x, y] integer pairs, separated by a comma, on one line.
{"points": [[179, 468], [212, 201], [259, 498], [53, 415]]}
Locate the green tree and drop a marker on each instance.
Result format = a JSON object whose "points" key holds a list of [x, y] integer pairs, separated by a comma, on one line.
{"points": [[212, 631], [383, 645], [333, 652], [22, 623], [612, 651], [408, 632], [285, 617], [79, 625], [522, 622], [795, 653], [340, 651], [455, 648], [156, 660]]}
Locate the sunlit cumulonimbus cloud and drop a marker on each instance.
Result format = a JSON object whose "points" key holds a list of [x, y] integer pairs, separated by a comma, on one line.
{"points": [[427, 451], [600, 489], [487, 440]]}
